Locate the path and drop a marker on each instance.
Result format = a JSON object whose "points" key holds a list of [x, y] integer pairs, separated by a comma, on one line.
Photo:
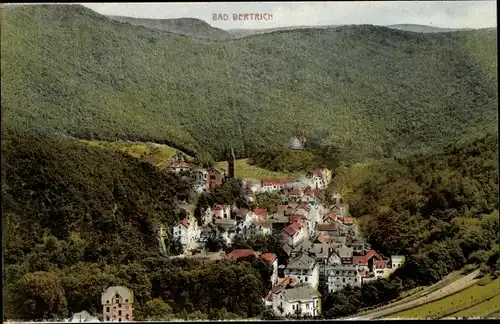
{"points": [[450, 289]]}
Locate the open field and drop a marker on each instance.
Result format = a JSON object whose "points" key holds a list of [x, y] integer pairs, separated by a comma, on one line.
{"points": [[245, 171], [418, 292], [156, 154], [477, 299]]}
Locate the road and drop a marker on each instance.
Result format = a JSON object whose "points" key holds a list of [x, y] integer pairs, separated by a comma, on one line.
{"points": [[450, 289]]}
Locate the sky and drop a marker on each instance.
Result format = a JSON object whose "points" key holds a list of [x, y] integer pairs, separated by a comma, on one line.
{"points": [[445, 14]]}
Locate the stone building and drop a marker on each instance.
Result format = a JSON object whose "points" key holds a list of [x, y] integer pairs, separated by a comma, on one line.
{"points": [[117, 304]]}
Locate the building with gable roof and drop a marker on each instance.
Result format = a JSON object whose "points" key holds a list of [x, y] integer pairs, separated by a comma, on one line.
{"points": [[303, 300], [188, 232], [305, 268], [117, 303]]}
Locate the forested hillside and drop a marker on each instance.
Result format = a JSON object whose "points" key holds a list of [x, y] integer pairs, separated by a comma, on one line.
{"points": [[372, 91], [440, 210], [77, 219]]}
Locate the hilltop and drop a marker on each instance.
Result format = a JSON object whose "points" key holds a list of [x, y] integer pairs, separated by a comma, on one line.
{"points": [[184, 26], [424, 29], [372, 91]]}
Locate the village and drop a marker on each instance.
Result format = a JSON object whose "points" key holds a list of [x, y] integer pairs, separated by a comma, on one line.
{"points": [[321, 239]]}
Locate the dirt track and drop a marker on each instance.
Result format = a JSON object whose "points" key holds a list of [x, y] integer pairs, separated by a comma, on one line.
{"points": [[453, 287]]}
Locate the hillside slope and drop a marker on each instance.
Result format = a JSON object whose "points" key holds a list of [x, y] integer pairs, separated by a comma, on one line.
{"points": [[372, 90], [184, 26]]}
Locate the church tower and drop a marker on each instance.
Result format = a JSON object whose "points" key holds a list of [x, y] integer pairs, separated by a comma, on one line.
{"points": [[230, 165]]}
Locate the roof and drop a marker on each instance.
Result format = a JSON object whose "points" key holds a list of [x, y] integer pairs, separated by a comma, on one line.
{"points": [[292, 229], [122, 291], [287, 281], [260, 212], [286, 248], [275, 182], [268, 257], [360, 260], [348, 220], [300, 293], [344, 252], [221, 207], [179, 164], [282, 208], [398, 257], [324, 238], [327, 227], [225, 221], [321, 250], [240, 253], [297, 218], [302, 261], [184, 222], [295, 192], [330, 215], [316, 172]]}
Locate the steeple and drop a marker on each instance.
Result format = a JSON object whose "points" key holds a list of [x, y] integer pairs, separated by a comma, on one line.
{"points": [[230, 164]]}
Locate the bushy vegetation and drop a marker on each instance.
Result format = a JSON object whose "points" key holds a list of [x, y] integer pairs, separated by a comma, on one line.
{"points": [[440, 210], [371, 91], [78, 219]]}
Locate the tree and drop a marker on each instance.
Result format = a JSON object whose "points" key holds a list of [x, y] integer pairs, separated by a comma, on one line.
{"points": [[155, 309], [40, 296], [215, 242]]}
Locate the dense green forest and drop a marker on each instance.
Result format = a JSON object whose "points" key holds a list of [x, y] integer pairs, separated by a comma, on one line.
{"points": [[371, 91], [78, 219], [440, 210]]}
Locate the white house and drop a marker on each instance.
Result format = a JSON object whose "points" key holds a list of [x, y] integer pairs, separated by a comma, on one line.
{"points": [[302, 299], [178, 166], [294, 234], [275, 185], [188, 232], [339, 277], [272, 260], [397, 261], [222, 211], [319, 178], [305, 269], [83, 316]]}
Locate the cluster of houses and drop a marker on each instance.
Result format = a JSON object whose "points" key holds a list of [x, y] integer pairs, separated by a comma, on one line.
{"points": [[320, 239]]}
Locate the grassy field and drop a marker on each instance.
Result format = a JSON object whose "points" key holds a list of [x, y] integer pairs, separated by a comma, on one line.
{"points": [[372, 91], [155, 154], [418, 292], [245, 171], [478, 297]]}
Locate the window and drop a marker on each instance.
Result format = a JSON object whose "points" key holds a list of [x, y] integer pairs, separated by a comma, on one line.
{"points": [[343, 279], [128, 316], [293, 307], [306, 279], [120, 313], [119, 305], [107, 318], [307, 306], [107, 309], [119, 320]]}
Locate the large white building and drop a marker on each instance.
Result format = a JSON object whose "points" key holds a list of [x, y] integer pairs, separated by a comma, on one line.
{"points": [[303, 300], [188, 233], [294, 234], [305, 268], [341, 276]]}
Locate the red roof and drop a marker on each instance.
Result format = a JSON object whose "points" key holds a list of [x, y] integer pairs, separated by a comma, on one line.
{"points": [[360, 260], [319, 194], [309, 192], [324, 238], [282, 208], [292, 229], [380, 263], [297, 218], [327, 227], [348, 220], [185, 222], [240, 253], [268, 257], [316, 172], [301, 138], [260, 212], [275, 182], [331, 215], [180, 164]]}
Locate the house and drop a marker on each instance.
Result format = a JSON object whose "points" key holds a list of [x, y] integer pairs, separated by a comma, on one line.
{"points": [[345, 254], [368, 261], [295, 193], [272, 260], [216, 177], [330, 217], [297, 142], [248, 230], [319, 179], [237, 254], [83, 316], [340, 209], [397, 261], [329, 229], [259, 214], [305, 268], [117, 303], [187, 232], [336, 198], [280, 222], [348, 221], [294, 234], [178, 166], [250, 195], [303, 300], [222, 211], [275, 185], [341, 276], [200, 177]]}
